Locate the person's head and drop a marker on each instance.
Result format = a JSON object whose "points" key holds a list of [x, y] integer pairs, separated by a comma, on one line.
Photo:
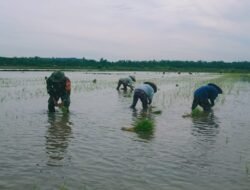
{"points": [[133, 78], [57, 76], [153, 85], [216, 87]]}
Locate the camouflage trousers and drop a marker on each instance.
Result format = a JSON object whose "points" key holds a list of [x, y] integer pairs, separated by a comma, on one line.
{"points": [[65, 98]]}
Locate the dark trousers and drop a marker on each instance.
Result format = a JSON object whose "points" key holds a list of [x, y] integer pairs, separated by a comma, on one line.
{"points": [[140, 94], [52, 99], [203, 103], [120, 82]]}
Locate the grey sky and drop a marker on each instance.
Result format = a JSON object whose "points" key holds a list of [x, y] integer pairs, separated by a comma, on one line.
{"points": [[126, 29]]}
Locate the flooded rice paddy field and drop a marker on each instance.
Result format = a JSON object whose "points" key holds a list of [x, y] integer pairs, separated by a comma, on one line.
{"points": [[86, 149]]}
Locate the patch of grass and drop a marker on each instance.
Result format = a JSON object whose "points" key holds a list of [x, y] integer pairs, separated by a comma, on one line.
{"points": [[144, 125]]}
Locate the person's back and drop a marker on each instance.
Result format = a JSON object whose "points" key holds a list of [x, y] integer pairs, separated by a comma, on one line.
{"points": [[149, 91], [206, 92], [145, 93], [56, 83]]}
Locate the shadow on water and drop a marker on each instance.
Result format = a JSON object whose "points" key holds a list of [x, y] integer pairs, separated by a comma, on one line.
{"points": [[58, 137], [206, 126]]}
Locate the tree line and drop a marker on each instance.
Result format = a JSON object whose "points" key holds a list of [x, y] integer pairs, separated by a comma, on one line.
{"points": [[122, 65]]}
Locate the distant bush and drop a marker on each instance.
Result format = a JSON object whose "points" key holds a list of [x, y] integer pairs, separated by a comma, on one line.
{"points": [[122, 65]]}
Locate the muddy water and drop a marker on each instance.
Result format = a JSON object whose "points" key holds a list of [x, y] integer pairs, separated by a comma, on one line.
{"points": [[86, 149]]}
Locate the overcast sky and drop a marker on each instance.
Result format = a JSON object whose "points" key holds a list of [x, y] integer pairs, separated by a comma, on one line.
{"points": [[126, 29]]}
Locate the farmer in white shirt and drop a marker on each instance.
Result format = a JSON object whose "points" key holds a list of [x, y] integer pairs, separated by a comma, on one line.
{"points": [[145, 93]]}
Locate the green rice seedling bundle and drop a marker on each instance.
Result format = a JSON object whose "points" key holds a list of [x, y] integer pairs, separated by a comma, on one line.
{"points": [[144, 125], [197, 112]]}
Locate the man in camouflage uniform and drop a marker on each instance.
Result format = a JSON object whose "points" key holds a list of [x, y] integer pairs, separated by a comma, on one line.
{"points": [[58, 86], [126, 82]]}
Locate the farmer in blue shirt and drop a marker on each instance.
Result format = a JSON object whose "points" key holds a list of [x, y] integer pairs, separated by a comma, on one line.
{"points": [[126, 82], [205, 96], [145, 93]]}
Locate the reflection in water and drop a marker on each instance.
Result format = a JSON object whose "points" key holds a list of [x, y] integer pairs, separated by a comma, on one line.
{"points": [[139, 117], [206, 126], [57, 138], [205, 129]]}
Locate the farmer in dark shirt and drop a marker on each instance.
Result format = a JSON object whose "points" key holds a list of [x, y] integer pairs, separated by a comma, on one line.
{"points": [[205, 96], [145, 93], [58, 86], [126, 82]]}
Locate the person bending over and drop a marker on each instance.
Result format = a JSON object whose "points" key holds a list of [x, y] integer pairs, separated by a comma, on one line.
{"points": [[205, 96], [126, 82], [58, 86], [145, 93]]}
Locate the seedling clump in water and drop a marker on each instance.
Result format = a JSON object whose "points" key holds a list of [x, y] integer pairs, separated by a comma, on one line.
{"points": [[197, 112], [144, 125]]}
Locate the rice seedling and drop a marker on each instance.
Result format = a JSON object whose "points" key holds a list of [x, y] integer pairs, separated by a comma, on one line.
{"points": [[35, 187], [64, 109], [195, 113], [144, 125], [247, 168], [141, 125], [62, 187]]}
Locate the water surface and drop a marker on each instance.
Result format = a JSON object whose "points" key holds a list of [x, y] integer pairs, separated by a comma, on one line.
{"points": [[86, 149]]}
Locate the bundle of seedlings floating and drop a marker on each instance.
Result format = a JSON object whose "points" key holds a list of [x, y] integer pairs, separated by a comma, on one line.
{"points": [[197, 112], [144, 125]]}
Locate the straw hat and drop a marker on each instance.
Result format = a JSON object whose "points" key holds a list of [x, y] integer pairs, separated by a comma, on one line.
{"points": [[133, 78], [215, 86]]}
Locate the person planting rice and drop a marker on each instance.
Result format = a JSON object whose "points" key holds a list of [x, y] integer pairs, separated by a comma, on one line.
{"points": [[58, 86], [205, 96], [126, 82], [145, 93]]}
